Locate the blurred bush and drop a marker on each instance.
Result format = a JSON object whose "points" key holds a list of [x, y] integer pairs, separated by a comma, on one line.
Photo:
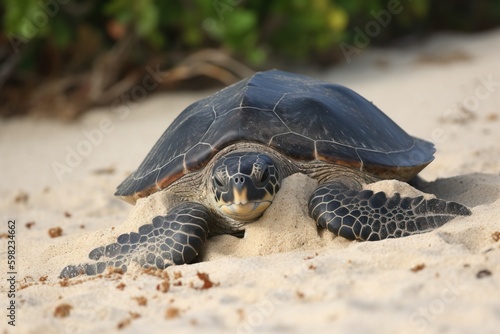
{"points": [[53, 39]]}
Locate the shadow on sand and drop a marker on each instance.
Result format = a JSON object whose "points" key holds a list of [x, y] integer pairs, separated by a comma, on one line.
{"points": [[469, 189]]}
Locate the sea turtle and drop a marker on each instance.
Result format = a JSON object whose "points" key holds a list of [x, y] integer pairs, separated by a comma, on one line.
{"points": [[222, 161]]}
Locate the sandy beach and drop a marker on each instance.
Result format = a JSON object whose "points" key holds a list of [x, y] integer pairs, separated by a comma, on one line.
{"points": [[283, 276]]}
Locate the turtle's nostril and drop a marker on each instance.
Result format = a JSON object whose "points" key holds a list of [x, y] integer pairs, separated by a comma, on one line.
{"points": [[239, 180]]}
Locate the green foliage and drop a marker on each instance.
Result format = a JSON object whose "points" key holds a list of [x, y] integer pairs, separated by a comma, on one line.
{"points": [[254, 30], [16, 17], [303, 27], [144, 15]]}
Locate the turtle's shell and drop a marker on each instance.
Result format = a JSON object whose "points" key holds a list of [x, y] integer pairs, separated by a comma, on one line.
{"points": [[303, 118]]}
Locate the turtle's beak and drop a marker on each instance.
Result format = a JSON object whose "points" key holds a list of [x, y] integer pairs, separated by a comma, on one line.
{"points": [[248, 211], [244, 201], [240, 195]]}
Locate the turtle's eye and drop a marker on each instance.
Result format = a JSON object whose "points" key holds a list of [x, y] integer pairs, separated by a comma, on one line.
{"points": [[265, 175], [220, 180]]}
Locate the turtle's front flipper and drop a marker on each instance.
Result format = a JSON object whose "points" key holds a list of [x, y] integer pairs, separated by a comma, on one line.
{"points": [[172, 239], [364, 215]]}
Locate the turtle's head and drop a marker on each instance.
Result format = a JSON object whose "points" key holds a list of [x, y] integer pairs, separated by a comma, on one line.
{"points": [[244, 184]]}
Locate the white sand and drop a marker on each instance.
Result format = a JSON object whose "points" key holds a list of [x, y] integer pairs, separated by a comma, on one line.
{"points": [[283, 276]]}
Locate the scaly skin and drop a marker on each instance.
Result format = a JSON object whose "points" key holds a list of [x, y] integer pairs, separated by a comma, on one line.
{"points": [[172, 239], [363, 215]]}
